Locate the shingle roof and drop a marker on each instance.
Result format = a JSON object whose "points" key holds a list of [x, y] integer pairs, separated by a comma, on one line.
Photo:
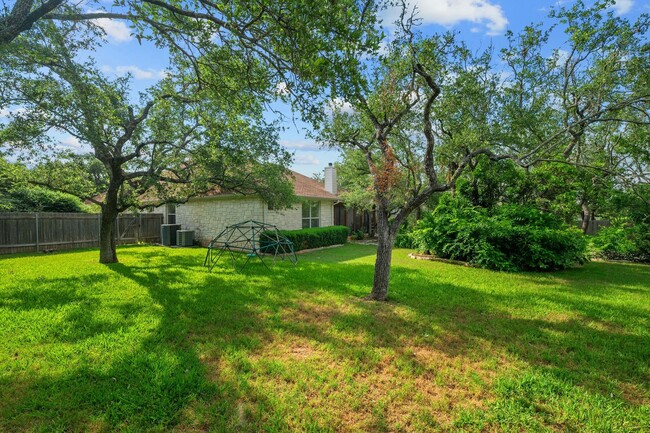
{"points": [[303, 186]]}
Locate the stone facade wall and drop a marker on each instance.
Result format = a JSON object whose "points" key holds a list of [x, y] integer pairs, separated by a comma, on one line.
{"points": [[209, 216], [326, 213], [285, 219]]}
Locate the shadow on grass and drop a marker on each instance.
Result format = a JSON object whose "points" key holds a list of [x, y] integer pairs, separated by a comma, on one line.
{"points": [[145, 386], [205, 320], [610, 275]]}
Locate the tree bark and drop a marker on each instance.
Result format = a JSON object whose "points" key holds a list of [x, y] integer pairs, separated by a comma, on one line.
{"points": [[385, 242], [586, 218], [107, 244], [22, 18], [107, 241], [418, 213]]}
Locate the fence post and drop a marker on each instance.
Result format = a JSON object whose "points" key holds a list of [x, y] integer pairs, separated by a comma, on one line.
{"points": [[99, 229], [37, 231], [140, 227]]}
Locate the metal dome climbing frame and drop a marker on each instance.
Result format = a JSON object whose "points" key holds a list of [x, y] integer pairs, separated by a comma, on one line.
{"points": [[248, 240]]}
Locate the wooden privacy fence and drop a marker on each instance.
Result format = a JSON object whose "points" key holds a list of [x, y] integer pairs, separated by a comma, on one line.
{"points": [[40, 231]]}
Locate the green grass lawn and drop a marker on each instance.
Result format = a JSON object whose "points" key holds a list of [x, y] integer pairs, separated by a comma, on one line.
{"points": [[155, 343]]}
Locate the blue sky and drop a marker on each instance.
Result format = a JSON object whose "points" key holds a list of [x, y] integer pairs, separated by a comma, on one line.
{"points": [[479, 22]]}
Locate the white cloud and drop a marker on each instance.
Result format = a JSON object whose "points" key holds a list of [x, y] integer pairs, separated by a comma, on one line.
{"points": [[282, 88], [137, 72], [301, 145], [623, 6], [307, 159], [560, 56], [117, 31], [6, 112], [450, 12], [70, 142], [383, 48], [338, 104]]}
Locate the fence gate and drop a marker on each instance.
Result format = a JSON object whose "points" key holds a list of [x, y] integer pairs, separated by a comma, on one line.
{"points": [[134, 228]]}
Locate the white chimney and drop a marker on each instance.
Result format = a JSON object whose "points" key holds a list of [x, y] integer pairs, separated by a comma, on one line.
{"points": [[331, 184]]}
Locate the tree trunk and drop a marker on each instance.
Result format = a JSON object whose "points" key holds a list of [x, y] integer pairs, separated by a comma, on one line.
{"points": [[475, 195], [107, 252], [107, 241], [385, 242], [586, 218], [22, 18]]}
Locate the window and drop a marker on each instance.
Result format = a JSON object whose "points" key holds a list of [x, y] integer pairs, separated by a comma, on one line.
{"points": [[310, 214], [171, 214]]}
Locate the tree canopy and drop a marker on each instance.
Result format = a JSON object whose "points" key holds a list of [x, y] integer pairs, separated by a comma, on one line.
{"points": [[304, 46]]}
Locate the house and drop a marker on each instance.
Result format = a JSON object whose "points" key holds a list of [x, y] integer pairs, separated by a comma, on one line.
{"points": [[208, 215]]}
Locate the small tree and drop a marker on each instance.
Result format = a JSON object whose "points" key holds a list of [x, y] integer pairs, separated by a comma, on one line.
{"points": [[593, 88], [391, 127]]}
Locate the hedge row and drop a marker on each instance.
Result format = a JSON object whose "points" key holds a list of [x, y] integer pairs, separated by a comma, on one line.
{"points": [[316, 237]]}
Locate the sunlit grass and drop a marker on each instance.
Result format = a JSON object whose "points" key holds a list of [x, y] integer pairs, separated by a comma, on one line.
{"points": [[155, 343]]}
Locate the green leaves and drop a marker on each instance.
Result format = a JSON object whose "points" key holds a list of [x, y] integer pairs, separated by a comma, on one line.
{"points": [[511, 238], [623, 240]]}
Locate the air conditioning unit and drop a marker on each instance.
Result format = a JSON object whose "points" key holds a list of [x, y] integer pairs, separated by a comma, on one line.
{"points": [[185, 238], [168, 234]]}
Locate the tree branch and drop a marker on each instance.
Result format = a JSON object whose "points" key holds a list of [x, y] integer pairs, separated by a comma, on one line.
{"points": [[22, 18]]}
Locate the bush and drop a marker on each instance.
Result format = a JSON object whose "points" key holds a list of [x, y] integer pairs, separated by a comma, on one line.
{"points": [[316, 237], [404, 239], [622, 241], [35, 199], [512, 238]]}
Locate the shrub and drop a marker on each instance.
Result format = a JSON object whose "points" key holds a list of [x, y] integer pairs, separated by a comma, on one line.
{"points": [[316, 237], [512, 238], [622, 241], [404, 240], [35, 199]]}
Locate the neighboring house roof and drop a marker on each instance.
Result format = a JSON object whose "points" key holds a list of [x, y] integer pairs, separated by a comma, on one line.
{"points": [[303, 186]]}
